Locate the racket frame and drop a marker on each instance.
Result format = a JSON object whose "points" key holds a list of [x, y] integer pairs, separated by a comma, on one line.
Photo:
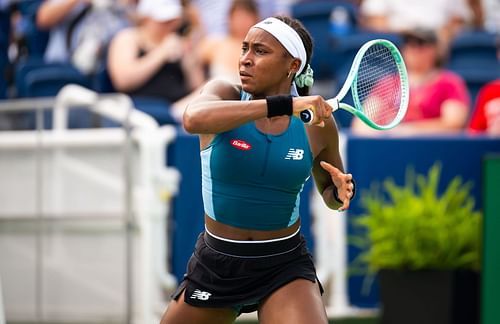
{"points": [[350, 84]]}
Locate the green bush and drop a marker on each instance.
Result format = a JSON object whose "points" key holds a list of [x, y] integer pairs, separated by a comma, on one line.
{"points": [[411, 227]]}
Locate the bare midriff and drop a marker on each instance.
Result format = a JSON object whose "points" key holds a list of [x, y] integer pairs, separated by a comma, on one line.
{"points": [[241, 234]]}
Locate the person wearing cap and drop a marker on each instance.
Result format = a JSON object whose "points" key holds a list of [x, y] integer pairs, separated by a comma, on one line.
{"points": [[439, 100], [151, 60], [256, 156]]}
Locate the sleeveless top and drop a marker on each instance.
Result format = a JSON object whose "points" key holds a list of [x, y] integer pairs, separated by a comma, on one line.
{"points": [[168, 83], [253, 180]]}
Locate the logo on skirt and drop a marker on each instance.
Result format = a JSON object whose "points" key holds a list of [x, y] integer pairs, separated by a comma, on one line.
{"points": [[200, 295]]}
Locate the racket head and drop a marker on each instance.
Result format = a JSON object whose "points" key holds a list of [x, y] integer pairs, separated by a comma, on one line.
{"points": [[378, 81]]}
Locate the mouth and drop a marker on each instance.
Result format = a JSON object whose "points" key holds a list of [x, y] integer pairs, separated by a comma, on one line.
{"points": [[245, 75]]}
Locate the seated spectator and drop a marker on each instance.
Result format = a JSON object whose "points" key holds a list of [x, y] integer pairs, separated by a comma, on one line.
{"points": [[152, 60], [439, 98], [486, 114], [80, 30], [221, 54]]}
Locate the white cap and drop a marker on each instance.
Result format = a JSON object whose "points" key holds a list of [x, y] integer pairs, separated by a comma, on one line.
{"points": [[160, 10]]}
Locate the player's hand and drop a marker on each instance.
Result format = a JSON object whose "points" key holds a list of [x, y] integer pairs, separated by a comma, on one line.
{"points": [[343, 182], [321, 110]]}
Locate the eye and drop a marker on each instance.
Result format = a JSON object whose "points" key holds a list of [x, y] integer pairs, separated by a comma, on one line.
{"points": [[260, 51], [244, 49]]}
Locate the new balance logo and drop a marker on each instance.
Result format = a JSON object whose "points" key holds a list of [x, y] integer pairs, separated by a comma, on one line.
{"points": [[294, 154], [201, 295]]}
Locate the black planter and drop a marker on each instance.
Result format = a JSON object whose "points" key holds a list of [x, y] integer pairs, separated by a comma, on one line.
{"points": [[429, 297]]}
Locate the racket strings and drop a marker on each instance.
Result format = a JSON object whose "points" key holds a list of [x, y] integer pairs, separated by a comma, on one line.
{"points": [[378, 85]]}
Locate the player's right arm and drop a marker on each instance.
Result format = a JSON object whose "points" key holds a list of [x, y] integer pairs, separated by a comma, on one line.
{"points": [[218, 108]]}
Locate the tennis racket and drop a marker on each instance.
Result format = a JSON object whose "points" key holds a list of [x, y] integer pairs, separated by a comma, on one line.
{"points": [[379, 87]]}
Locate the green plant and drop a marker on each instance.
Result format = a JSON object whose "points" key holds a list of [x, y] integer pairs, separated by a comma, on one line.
{"points": [[412, 227]]}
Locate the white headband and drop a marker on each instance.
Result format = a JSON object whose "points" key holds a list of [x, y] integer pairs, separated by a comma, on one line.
{"points": [[287, 36]]}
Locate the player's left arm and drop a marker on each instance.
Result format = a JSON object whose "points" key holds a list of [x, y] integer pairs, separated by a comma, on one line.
{"points": [[335, 186]]}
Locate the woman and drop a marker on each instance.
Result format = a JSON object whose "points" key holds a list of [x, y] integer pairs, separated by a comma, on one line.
{"points": [[255, 160], [439, 99], [152, 60], [223, 63]]}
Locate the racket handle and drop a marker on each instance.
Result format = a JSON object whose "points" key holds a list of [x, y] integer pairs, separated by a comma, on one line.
{"points": [[307, 116]]}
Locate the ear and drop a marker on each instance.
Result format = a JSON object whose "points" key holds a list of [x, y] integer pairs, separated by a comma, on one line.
{"points": [[295, 65]]}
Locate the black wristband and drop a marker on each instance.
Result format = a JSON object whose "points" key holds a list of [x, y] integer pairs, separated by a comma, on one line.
{"points": [[336, 192], [279, 105]]}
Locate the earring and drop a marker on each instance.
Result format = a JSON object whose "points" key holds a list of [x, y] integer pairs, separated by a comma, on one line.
{"points": [[289, 73]]}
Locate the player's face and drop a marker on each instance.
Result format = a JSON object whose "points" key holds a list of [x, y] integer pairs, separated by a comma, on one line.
{"points": [[264, 65]]}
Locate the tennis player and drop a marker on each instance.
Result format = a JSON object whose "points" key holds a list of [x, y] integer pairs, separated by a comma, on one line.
{"points": [[256, 156]]}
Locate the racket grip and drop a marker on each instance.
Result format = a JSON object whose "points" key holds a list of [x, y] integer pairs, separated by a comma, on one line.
{"points": [[306, 116]]}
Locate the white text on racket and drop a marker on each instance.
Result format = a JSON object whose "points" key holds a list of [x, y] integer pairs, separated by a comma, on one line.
{"points": [[294, 154], [201, 295]]}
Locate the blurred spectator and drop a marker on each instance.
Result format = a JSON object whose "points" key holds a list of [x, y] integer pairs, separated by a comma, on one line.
{"points": [[214, 13], [439, 98], [221, 54], [152, 60], [445, 17], [486, 114], [80, 30], [191, 25]]}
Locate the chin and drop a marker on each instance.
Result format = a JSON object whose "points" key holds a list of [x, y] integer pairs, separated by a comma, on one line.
{"points": [[247, 87]]}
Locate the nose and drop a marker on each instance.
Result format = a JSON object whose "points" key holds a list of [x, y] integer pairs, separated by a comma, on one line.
{"points": [[245, 59]]}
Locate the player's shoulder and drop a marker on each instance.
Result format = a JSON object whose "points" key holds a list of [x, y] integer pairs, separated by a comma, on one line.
{"points": [[222, 88]]}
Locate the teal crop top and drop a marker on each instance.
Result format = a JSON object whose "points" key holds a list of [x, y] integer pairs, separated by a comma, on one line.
{"points": [[253, 180]]}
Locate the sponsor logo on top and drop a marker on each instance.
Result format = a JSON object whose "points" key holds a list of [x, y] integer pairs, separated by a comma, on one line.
{"points": [[242, 145]]}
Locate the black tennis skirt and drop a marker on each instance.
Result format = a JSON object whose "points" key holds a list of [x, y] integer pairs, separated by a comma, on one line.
{"points": [[239, 275]]}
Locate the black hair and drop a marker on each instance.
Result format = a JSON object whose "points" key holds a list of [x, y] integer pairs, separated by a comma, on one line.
{"points": [[307, 40]]}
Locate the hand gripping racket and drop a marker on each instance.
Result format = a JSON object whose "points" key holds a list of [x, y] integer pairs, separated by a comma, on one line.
{"points": [[379, 86]]}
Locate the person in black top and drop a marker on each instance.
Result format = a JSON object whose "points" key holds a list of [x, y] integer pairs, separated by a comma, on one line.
{"points": [[151, 59]]}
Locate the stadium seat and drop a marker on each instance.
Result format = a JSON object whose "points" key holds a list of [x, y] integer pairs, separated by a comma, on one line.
{"points": [[34, 78], [473, 49], [475, 78], [156, 108], [48, 80], [317, 17], [101, 81]]}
